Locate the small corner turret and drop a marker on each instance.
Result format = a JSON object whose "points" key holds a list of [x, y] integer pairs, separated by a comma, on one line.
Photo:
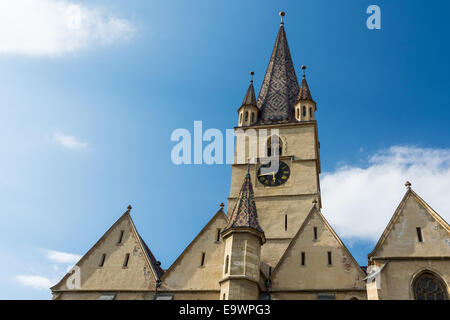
{"points": [[248, 112], [305, 107]]}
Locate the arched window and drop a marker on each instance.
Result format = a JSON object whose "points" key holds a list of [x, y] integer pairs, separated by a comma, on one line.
{"points": [[227, 262], [304, 111], [246, 116], [310, 112], [427, 286], [240, 118], [253, 117], [276, 141]]}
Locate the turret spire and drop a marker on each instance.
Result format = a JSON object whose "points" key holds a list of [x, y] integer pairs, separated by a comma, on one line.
{"points": [[250, 98], [244, 214], [280, 86], [304, 93]]}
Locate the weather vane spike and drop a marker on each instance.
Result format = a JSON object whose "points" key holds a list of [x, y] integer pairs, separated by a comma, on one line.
{"points": [[282, 14], [251, 74], [304, 68]]}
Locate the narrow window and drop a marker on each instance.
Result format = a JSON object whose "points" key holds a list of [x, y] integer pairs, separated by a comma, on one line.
{"points": [[202, 262], [276, 143], [419, 234], [304, 111], [120, 237], [246, 116], [127, 258], [296, 113], [303, 258], [218, 235], [330, 262], [253, 117], [315, 233], [310, 112], [285, 222], [102, 260], [223, 296], [240, 118], [227, 262]]}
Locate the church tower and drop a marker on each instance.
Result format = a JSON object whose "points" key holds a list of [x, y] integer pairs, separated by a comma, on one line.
{"points": [[243, 238], [286, 111]]}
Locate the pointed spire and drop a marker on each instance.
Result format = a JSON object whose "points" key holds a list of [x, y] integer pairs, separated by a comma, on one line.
{"points": [[244, 214], [304, 93], [280, 86], [250, 98]]}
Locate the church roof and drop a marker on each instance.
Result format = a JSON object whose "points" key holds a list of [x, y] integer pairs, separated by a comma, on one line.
{"points": [[395, 217], [156, 265], [304, 93], [250, 98], [280, 88], [244, 214]]}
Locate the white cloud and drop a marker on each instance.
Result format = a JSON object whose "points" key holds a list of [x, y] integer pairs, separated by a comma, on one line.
{"points": [[36, 282], [69, 142], [60, 263], [62, 257], [359, 202], [53, 27]]}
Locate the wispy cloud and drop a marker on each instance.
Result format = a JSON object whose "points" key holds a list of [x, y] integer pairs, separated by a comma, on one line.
{"points": [[62, 257], [359, 201], [69, 142], [57, 263], [55, 27], [36, 282]]}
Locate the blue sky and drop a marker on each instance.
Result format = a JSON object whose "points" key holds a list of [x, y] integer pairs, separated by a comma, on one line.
{"points": [[87, 119]]}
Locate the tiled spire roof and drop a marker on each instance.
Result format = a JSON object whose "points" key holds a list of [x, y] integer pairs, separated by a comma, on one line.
{"points": [[304, 93], [280, 88], [250, 98], [244, 214]]}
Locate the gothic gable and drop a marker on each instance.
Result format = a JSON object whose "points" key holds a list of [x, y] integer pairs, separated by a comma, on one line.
{"points": [[415, 230], [316, 259], [120, 260], [187, 272]]}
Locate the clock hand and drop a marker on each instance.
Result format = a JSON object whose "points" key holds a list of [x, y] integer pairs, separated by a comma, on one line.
{"points": [[266, 174]]}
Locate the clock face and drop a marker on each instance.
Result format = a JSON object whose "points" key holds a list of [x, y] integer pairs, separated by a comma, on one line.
{"points": [[273, 179]]}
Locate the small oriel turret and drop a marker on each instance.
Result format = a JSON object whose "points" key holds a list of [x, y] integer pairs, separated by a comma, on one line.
{"points": [[243, 238], [305, 107], [248, 112]]}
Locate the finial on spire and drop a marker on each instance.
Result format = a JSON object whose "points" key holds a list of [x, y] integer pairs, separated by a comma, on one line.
{"points": [[282, 14], [303, 68], [252, 73], [221, 205], [248, 167], [314, 202], [408, 185], [129, 207]]}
